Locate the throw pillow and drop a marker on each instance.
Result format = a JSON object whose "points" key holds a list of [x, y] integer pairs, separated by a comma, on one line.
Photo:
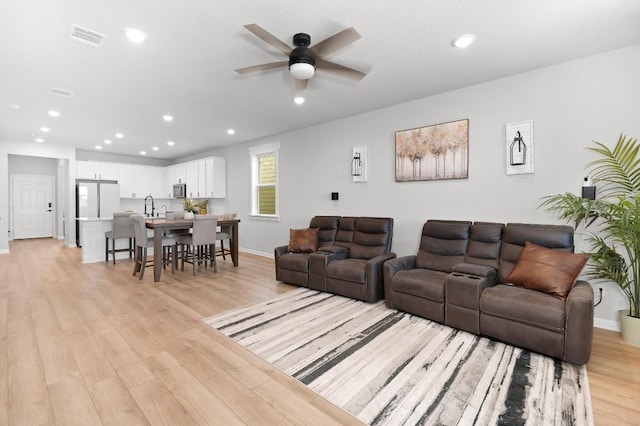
{"points": [[546, 270], [303, 240]]}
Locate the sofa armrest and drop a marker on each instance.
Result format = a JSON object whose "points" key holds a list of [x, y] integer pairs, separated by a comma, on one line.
{"points": [[478, 270], [393, 266], [374, 276], [277, 252], [318, 261], [399, 264], [335, 249], [579, 323]]}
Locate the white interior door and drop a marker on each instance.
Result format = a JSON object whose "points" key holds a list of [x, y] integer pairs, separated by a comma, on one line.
{"points": [[32, 201]]}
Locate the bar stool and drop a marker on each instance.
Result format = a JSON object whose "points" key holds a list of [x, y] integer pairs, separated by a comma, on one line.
{"points": [[144, 241], [224, 234], [122, 228], [201, 242]]}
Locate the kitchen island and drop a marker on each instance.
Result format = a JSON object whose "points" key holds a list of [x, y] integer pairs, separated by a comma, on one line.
{"points": [[92, 239]]}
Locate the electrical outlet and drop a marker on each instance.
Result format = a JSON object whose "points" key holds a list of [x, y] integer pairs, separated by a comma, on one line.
{"points": [[601, 290]]}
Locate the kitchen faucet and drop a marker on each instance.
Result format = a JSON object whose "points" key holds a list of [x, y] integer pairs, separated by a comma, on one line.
{"points": [[165, 208], [153, 208]]}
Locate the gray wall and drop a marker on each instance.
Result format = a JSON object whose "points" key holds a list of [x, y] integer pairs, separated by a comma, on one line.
{"points": [[571, 104], [25, 165]]}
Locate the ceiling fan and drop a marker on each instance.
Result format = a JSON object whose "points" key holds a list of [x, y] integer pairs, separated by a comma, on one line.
{"points": [[304, 60]]}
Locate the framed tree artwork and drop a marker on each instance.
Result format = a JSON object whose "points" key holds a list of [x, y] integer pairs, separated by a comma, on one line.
{"points": [[439, 151]]}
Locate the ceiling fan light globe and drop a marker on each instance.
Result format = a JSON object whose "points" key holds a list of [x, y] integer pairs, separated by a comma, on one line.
{"points": [[302, 70]]}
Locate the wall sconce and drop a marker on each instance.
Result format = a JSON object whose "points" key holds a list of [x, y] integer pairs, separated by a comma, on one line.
{"points": [[356, 165], [517, 151], [359, 163]]}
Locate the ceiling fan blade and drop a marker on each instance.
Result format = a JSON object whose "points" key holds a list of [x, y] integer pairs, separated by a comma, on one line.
{"points": [[301, 84], [335, 42], [339, 70], [269, 38], [262, 67]]}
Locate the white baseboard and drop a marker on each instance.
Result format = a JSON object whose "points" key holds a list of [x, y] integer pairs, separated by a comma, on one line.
{"points": [[5, 251], [256, 252], [606, 324]]}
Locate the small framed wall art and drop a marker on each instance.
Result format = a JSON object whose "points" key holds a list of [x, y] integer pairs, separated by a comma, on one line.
{"points": [[519, 147], [439, 151]]}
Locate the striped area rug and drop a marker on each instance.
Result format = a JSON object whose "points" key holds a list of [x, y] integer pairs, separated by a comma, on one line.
{"points": [[390, 367]]}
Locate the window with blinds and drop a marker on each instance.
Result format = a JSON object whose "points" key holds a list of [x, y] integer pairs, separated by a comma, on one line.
{"points": [[264, 178], [267, 184]]}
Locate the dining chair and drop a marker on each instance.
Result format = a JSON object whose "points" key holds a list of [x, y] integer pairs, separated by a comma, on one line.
{"points": [[224, 234], [144, 241], [201, 243], [122, 228]]}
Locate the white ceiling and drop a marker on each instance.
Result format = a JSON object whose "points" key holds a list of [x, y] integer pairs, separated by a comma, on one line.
{"points": [[186, 66]]}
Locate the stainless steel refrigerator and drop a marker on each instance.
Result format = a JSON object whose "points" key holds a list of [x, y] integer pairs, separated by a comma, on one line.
{"points": [[95, 199]]}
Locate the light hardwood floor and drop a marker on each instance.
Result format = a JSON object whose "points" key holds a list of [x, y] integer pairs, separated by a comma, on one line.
{"points": [[90, 344]]}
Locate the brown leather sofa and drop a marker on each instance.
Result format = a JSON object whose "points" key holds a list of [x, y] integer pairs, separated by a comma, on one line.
{"points": [[349, 265], [458, 277], [293, 268]]}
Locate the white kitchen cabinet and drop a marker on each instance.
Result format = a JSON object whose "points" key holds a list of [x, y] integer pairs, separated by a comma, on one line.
{"points": [[202, 178], [138, 181], [167, 181], [196, 179], [98, 170], [155, 181], [215, 177], [193, 179], [126, 181], [180, 173]]}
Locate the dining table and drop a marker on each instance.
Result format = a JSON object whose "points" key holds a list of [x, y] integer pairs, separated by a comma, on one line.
{"points": [[161, 225]]}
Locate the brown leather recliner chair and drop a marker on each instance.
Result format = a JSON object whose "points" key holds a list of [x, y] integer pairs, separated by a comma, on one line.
{"points": [[469, 279], [358, 273], [293, 268], [416, 283], [531, 319]]}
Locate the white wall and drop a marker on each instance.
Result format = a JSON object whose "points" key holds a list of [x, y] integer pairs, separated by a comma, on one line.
{"points": [[571, 104]]}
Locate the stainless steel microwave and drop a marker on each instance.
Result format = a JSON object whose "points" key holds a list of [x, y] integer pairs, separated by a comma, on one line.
{"points": [[180, 190]]}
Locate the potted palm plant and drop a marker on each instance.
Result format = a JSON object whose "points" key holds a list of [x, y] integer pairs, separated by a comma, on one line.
{"points": [[612, 223]]}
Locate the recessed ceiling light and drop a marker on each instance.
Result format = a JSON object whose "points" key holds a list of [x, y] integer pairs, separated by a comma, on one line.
{"points": [[39, 140], [107, 141], [171, 143], [231, 131], [45, 129], [167, 117], [14, 106], [465, 40], [53, 113], [143, 152], [299, 100], [119, 135], [98, 146], [135, 35], [155, 148]]}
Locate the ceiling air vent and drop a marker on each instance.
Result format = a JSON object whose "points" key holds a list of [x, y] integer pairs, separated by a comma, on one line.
{"points": [[60, 92], [86, 36]]}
